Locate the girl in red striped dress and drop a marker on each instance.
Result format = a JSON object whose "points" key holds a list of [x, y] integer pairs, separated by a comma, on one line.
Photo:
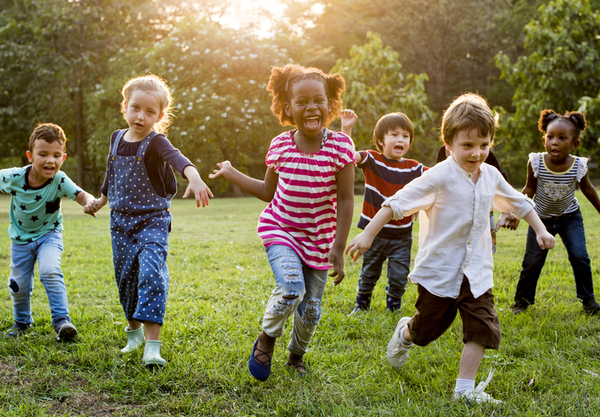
{"points": [[309, 187]]}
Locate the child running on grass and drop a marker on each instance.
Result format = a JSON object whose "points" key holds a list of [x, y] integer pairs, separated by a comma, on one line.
{"points": [[552, 178], [309, 185], [36, 228], [139, 185], [454, 265], [386, 171]]}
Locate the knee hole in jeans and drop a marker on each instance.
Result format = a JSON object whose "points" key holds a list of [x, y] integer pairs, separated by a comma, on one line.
{"points": [[14, 287], [285, 304]]}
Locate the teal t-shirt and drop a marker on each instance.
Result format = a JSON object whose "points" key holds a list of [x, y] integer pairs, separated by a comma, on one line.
{"points": [[35, 211]]}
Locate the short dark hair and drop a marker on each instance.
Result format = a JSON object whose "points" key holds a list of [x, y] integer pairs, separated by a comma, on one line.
{"points": [[48, 132], [389, 122]]}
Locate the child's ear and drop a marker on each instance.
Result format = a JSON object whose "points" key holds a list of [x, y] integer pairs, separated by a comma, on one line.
{"points": [[29, 156], [64, 157], [575, 144], [160, 116], [329, 106], [287, 109]]}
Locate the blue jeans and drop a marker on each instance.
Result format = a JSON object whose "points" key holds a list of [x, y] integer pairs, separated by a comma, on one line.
{"points": [[397, 252], [570, 228], [300, 291], [47, 251]]}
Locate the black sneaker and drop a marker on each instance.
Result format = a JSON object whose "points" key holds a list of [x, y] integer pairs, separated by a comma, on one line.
{"points": [[590, 306], [65, 330], [17, 329], [519, 307]]}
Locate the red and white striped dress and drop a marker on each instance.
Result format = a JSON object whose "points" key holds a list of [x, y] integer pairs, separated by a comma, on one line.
{"points": [[302, 214]]}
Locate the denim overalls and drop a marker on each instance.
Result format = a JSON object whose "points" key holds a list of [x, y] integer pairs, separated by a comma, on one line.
{"points": [[140, 222]]}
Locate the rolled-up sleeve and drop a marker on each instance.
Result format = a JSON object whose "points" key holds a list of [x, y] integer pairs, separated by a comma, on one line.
{"points": [[418, 195]]}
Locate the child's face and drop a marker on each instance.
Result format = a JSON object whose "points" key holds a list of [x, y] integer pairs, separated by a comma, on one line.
{"points": [[559, 139], [46, 160], [142, 113], [309, 106], [395, 144], [469, 150]]}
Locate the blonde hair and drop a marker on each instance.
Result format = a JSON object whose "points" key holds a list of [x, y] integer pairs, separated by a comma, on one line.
{"points": [[156, 86], [467, 112]]}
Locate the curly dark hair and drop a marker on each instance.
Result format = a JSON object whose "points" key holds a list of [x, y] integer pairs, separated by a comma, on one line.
{"points": [[577, 119], [48, 132], [282, 80]]}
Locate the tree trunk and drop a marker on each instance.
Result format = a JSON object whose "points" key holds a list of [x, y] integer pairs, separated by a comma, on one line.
{"points": [[79, 137]]}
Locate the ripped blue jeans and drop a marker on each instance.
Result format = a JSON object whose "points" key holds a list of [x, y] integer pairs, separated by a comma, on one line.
{"points": [[300, 291]]}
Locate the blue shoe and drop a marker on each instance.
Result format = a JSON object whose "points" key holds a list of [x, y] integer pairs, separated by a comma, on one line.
{"points": [[296, 369], [260, 369]]}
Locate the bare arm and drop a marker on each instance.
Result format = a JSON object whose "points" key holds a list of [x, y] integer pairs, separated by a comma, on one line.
{"points": [[363, 241], [196, 186], [349, 119], [93, 206], [531, 184], [263, 190], [544, 239], [589, 191], [345, 209], [83, 199]]}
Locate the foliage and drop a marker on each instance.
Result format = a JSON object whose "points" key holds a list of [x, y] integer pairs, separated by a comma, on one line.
{"points": [[220, 280], [376, 86], [218, 78], [53, 53], [560, 71]]}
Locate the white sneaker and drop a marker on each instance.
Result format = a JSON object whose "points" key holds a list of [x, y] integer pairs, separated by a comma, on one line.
{"points": [[397, 353], [477, 395]]}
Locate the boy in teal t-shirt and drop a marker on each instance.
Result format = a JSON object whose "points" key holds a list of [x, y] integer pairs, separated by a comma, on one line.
{"points": [[36, 228]]}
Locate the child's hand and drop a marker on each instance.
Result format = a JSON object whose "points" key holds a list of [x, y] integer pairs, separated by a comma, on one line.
{"points": [[223, 168], [336, 257], [545, 240], [93, 206], [507, 221], [349, 119], [359, 245], [200, 190]]}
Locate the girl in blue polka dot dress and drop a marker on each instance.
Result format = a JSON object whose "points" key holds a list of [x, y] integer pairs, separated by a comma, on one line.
{"points": [[139, 186]]}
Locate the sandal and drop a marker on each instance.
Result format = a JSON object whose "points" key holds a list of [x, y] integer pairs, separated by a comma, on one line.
{"points": [[297, 369], [260, 369]]}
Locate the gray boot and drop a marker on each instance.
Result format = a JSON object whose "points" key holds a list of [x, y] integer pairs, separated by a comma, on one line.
{"points": [[135, 338], [152, 354]]}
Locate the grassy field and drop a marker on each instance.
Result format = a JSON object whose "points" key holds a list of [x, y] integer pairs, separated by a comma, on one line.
{"points": [[548, 363]]}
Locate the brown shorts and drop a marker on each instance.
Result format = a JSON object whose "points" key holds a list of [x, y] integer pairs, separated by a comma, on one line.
{"points": [[435, 314]]}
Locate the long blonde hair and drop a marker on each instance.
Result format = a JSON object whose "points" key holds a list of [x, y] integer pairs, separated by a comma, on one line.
{"points": [[156, 86]]}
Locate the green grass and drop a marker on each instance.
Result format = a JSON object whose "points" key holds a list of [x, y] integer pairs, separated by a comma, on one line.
{"points": [[220, 282]]}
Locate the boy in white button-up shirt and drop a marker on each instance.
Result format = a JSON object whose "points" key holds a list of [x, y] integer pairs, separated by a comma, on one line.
{"points": [[454, 265]]}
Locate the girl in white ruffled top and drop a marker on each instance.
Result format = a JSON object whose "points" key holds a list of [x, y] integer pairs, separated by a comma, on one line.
{"points": [[552, 178]]}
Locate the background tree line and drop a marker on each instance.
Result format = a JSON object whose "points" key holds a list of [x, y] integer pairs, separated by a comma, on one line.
{"points": [[65, 61]]}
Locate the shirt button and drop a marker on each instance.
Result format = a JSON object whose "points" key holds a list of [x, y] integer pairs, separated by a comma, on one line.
{"points": [[469, 242], [469, 175], [464, 267]]}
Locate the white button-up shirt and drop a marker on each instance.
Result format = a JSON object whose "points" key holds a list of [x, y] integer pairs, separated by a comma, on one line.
{"points": [[454, 230]]}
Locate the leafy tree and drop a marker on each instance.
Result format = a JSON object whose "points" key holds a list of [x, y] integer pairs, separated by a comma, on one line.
{"points": [[560, 72], [376, 86], [218, 78], [52, 55]]}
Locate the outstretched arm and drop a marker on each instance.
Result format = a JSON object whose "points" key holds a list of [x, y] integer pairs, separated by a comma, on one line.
{"points": [[509, 221], [363, 241], [263, 190], [196, 186], [589, 191], [92, 206], [83, 199], [544, 239], [345, 209]]}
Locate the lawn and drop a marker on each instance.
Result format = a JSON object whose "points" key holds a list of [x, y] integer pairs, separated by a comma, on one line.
{"points": [[548, 363]]}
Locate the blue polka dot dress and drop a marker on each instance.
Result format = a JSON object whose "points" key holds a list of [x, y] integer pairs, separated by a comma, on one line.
{"points": [[140, 222]]}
